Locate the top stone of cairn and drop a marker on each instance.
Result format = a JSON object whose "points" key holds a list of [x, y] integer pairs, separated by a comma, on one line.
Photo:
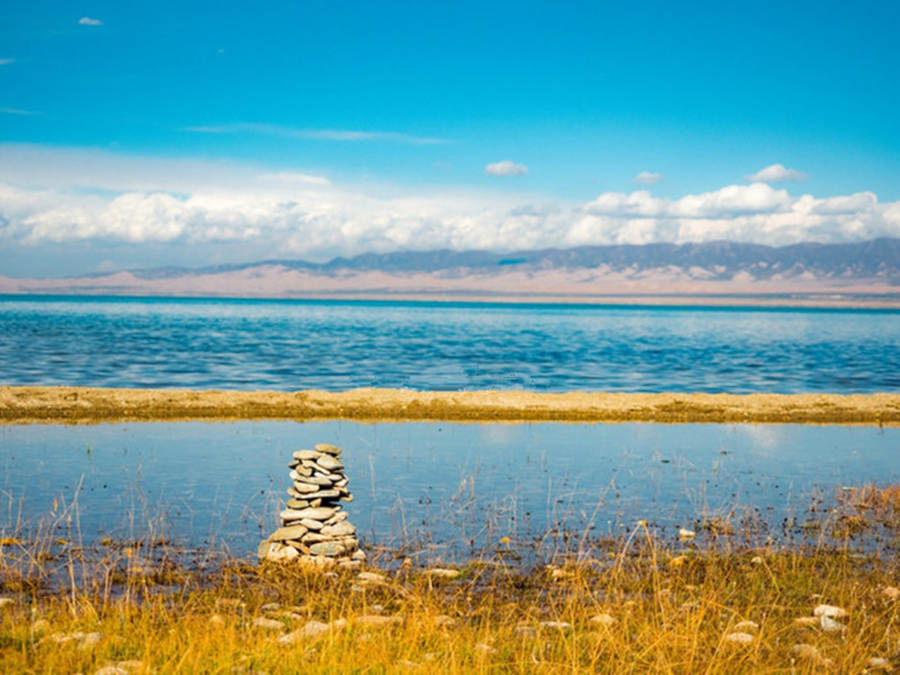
{"points": [[328, 449]]}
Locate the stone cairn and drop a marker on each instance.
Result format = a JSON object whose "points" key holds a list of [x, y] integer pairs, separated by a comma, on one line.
{"points": [[314, 526]]}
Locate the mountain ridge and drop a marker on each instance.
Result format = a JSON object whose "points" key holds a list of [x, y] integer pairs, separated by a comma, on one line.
{"points": [[866, 259]]}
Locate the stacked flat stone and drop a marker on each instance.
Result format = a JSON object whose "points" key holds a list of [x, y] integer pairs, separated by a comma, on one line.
{"points": [[314, 525]]}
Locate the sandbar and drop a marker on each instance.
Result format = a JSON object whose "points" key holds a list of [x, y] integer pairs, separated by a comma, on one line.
{"points": [[85, 405]]}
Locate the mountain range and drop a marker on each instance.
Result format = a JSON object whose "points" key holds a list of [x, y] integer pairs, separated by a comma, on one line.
{"points": [[870, 268]]}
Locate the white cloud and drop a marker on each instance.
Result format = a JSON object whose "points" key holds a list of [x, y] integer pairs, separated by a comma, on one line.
{"points": [[505, 168], [49, 196], [648, 178], [88, 21], [777, 173], [343, 135], [6, 62]]}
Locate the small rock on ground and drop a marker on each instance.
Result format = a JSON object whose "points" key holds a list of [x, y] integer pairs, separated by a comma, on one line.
{"points": [[603, 619], [267, 624], [739, 637], [878, 663], [830, 611], [746, 627]]}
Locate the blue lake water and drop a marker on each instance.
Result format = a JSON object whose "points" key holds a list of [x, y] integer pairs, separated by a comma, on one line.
{"points": [[289, 345], [439, 489]]}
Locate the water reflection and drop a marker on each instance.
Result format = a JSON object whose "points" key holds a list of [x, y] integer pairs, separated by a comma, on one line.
{"points": [[438, 489]]}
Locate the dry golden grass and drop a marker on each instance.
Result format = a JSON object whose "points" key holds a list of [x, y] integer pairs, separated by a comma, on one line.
{"points": [[666, 611]]}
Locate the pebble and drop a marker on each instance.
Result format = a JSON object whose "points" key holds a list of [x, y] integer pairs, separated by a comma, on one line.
{"points": [[443, 573], [524, 630], [558, 625], [266, 623], [371, 577], [6, 601], [485, 649], [746, 627], [684, 533], [603, 619], [891, 592], [328, 448], [111, 670], [739, 637], [806, 621], [811, 653], [312, 629], [829, 625], [878, 663], [374, 620], [830, 611]]}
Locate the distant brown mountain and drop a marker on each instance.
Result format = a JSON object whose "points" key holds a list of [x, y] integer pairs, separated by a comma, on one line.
{"points": [[724, 267]]}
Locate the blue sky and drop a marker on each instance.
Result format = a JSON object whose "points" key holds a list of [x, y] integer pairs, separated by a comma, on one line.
{"points": [[398, 104]]}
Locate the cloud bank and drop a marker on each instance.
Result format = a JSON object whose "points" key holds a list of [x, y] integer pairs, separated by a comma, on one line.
{"points": [[302, 214], [88, 21]]}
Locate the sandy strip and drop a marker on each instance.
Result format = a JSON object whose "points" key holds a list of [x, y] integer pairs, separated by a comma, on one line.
{"points": [[82, 405]]}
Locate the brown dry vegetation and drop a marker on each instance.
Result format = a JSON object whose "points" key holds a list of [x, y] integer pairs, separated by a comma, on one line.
{"points": [[90, 405], [664, 608]]}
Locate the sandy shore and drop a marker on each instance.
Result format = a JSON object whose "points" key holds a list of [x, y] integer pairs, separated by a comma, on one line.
{"points": [[82, 405]]}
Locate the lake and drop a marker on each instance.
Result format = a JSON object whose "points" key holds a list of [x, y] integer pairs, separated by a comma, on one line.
{"points": [[333, 345]]}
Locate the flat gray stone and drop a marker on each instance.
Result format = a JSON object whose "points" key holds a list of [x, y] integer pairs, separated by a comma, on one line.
{"points": [[289, 532], [329, 463], [337, 517], [341, 529], [327, 548], [306, 454], [297, 504], [314, 538], [321, 514], [304, 488], [319, 480], [325, 494], [311, 524]]}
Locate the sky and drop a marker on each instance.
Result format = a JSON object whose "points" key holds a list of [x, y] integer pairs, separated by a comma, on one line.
{"points": [[149, 134]]}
